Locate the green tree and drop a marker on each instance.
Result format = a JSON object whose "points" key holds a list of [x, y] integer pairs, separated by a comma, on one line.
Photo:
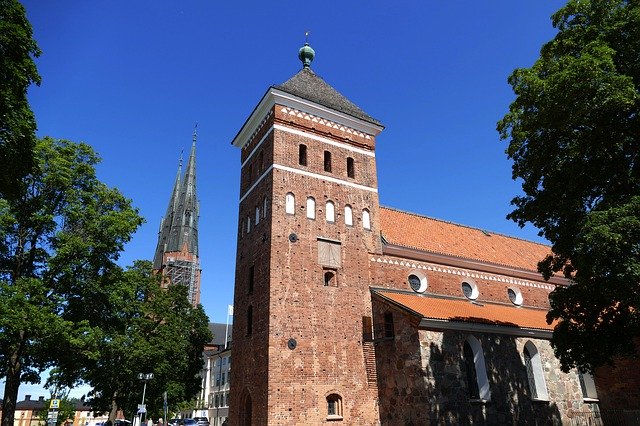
{"points": [[59, 239], [17, 72], [574, 138], [145, 328]]}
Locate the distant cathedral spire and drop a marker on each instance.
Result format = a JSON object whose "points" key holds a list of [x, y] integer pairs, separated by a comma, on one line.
{"points": [[177, 250]]}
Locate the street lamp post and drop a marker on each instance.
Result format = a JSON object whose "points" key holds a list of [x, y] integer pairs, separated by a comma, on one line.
{"points": [[144, 377]]}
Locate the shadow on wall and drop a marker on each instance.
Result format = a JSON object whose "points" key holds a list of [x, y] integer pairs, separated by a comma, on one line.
{"points": [[422, 379]]}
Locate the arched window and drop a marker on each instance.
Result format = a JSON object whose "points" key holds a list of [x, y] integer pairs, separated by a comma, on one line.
{"points": [[257, 215], [330, 279], [247, 413], [334, 406], [302, 155], [475, 369], [351, 168], [348, 215], [535, 373], [330, 211], [366, 219], [311, 208], [327, 161], [249, 320], [290, 203]]}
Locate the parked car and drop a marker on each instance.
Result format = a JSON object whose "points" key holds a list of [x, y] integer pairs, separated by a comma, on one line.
{"points": [[201, 421], [188, 422], [174, 422]]}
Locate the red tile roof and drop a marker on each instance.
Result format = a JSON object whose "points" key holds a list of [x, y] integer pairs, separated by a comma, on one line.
{"points": [[465, 311], [437, 236]]}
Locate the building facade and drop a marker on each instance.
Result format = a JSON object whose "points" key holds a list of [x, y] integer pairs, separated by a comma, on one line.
{"points": [[346, 311], [176, 256], [216, 376]]}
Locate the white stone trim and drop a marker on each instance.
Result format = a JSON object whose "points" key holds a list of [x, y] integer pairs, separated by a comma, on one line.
{"points": [[256, 183], [323, 177], [258, 145], [461, 272], [305, 173], [323, 140], [275, 96], [322, 121]]}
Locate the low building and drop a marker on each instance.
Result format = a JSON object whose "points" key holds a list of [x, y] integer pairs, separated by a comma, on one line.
{"points": [[214, 398]]}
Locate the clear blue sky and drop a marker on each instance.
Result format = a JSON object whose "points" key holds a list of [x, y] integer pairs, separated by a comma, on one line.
{"points": [[131, 78]]}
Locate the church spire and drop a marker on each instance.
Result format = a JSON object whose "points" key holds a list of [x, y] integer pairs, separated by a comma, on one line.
{"points": [[177, 251], [167, 220]]}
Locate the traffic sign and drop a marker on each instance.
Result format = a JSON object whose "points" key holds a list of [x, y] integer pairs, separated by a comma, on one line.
{"points": [[55, 403]]}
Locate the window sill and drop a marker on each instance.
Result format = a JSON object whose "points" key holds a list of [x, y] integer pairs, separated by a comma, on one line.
{"points": [[540, 400], [334, 417], [590, 400], [479, 401]]}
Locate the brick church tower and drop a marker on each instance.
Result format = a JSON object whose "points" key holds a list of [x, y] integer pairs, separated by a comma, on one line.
{"points": [[176, 256], [308, 222]]}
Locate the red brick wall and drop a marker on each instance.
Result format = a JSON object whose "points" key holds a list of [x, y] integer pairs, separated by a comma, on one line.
{"points": [[618, 385], [395, 272], [289, 300]]}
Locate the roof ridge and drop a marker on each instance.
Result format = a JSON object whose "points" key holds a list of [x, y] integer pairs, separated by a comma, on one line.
{"points": [[485, 231]]}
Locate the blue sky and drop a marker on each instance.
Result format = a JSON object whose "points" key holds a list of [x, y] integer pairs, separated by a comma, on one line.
{"points": [[131, 78]]}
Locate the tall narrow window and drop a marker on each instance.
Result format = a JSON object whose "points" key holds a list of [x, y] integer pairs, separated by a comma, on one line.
{"points": [[249, 320], [351, 168], [311, 208], [248, 224], [330, 211], [327, 161], [264, 207], [587, 385], [348, 215], [302, 155], [389, 332], [470, 369], [477, 380], [261, 162], [535, 372], [334, 406], [257, 215], [530, 374], [251, 279], [290, 203], [366, 219]]}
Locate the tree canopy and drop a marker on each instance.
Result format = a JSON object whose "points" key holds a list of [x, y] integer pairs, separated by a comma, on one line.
{"points": [[144, 328], [574, 138], [17, 72], [59, 239]]}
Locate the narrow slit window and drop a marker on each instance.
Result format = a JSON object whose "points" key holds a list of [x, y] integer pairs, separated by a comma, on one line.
{"points": [[327, 161], [302, 155], [351, 168], [249, 320], [251, 278]]}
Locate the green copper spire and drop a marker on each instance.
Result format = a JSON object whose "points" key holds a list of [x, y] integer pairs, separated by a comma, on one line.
{"points": [[306, 55]]}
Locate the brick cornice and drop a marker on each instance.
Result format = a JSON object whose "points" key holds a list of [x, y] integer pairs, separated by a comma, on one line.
{"points": [[410, 253]]}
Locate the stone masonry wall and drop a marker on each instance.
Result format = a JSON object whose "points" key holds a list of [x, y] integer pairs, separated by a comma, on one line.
{"points": [[422, 378]]}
